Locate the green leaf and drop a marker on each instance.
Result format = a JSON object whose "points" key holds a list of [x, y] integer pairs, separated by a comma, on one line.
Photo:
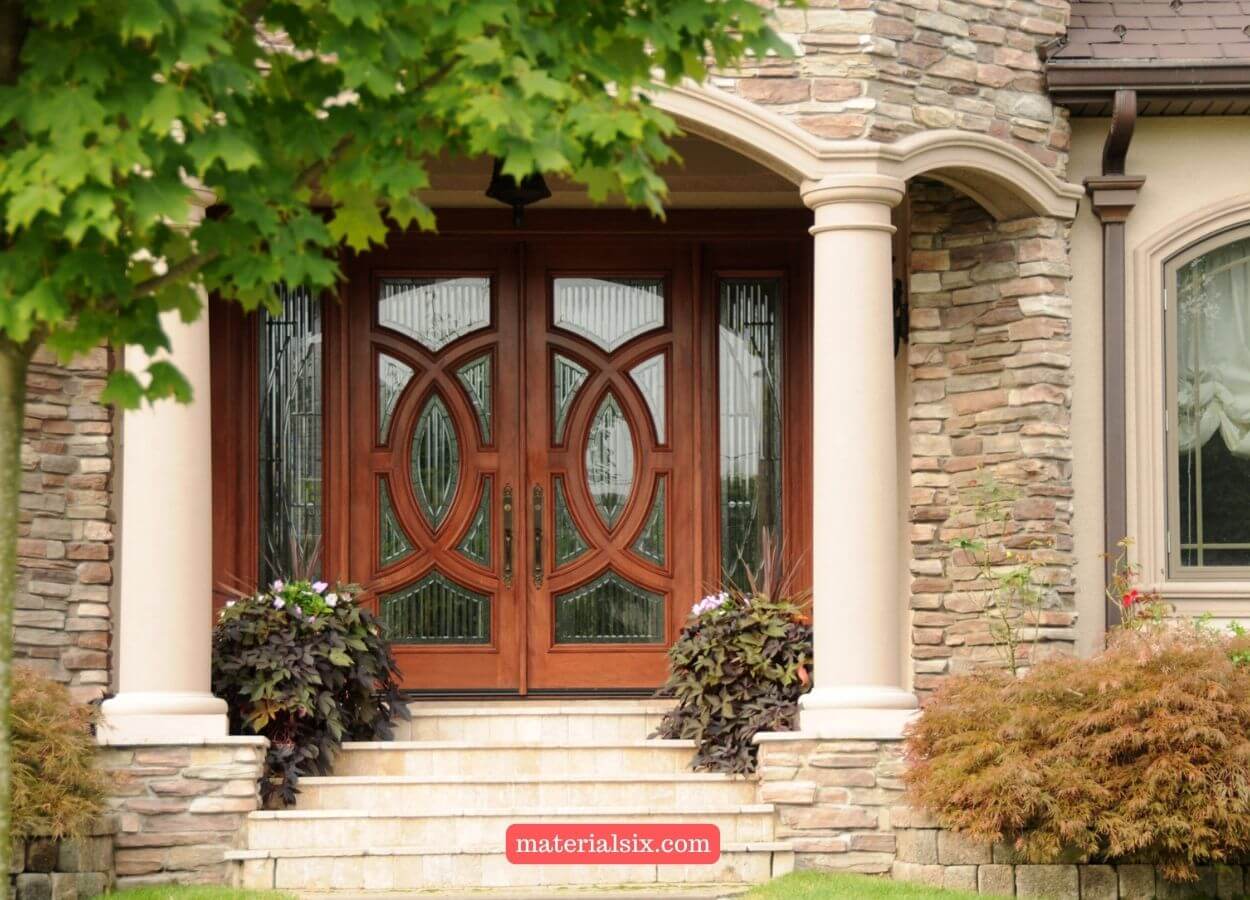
{"points": [[29, 202], [123, 390], [226, 145]]}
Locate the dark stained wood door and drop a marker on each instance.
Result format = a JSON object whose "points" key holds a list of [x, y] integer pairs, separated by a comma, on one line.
{"points": [[435, 468], [610, 453]]}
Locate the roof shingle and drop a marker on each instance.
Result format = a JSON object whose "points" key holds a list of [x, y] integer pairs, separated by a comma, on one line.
{"points": [[1198, 30]]}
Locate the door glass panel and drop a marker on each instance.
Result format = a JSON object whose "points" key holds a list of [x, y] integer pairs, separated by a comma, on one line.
{"points": [[436, 610], [476, 542], [649, 376], [609, 610], [610, 460], [290, 434], [569, 541], [650, 543], [750, 422], [435, 461], [393, 377], [434, 311], [608, 312], [475, 377], [394, 544], [567, 379]]}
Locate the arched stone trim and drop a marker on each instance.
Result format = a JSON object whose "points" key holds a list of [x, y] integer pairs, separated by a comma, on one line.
{"points": [[1001, 177], [1146, 406]]}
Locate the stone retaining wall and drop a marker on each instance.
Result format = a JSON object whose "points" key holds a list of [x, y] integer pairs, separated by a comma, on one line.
{"points": [[940, 858], [47, 869], [180, 806], [834, 799]]}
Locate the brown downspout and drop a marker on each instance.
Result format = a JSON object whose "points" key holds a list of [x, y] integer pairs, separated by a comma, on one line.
{"points": [[1113, 196]]}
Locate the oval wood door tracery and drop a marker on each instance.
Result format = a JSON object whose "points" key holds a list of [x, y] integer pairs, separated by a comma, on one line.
{"points": [[606, 483], [427, 413]]}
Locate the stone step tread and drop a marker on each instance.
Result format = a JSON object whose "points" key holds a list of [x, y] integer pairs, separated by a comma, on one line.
{"points": [[527, 813], [577, 778], [689, 891], [434, 708], [606, 744], [337, 852]]}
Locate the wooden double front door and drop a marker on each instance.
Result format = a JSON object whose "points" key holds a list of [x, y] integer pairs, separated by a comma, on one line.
{"points": [[524, 495]]}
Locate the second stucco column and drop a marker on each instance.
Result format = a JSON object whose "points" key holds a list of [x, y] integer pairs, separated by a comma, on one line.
{"points": [[164, 639], [856, 607]]}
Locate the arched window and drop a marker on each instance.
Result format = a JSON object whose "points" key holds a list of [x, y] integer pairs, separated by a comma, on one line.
{"points": [[1208, 423]]}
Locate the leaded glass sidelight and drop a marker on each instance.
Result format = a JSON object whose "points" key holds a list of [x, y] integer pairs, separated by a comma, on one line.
{"points": [[567, 379], [393, 377], [394, 544], [435, 462], [475, 544], [434, 311], [290, 434], [650, 543], [474, 377], [608, 312], [750, 406], [610, 460], [649, 376], [569, 541], [436, 610], [609, 610], [1211, 387]]}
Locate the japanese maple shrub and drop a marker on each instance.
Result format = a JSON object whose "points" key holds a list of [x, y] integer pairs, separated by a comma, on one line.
{"points": [[738, 668], [1140, 754], [308, 668]]}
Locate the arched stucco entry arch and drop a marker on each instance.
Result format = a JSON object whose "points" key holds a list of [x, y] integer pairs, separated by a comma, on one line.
{"points": [[852, 186]]}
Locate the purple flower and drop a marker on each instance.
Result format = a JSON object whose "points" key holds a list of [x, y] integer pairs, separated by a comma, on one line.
{"points": [[278, 603], [277, 585], [319, 586], [297, 612], [229, 603], [312, 620], [709, 603], [332, 600]]}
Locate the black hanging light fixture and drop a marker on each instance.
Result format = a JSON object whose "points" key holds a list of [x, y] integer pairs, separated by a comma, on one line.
{"points": [[505, 189]]}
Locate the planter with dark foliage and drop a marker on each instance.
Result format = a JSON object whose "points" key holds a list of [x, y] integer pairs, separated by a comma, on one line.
{"points": [[307, 668], [738, 668]]}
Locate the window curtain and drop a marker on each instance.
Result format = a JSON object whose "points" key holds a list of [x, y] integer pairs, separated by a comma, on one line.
{"points": [[1213, 388]]}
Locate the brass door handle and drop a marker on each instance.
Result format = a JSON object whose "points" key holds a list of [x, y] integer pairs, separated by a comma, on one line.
{"points": [[507, 535], [538, 536]]}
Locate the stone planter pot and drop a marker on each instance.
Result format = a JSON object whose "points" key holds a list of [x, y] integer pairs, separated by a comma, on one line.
{"points": [[47, 869]]}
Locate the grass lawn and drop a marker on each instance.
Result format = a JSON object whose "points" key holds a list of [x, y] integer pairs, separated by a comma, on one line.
{"points": [[197, 892], [828, 886]]}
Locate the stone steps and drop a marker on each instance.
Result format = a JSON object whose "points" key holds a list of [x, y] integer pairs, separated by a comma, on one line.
{"points": [[473, 792], [292, 829], [406, 868], [429, 811], [554, 758]]}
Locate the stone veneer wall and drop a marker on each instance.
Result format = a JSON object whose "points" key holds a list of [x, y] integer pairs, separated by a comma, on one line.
{"points": [[990, 356], [883, 69], [939, 858], [46, 869], [835, 800], [66, 525], [180, 806]]}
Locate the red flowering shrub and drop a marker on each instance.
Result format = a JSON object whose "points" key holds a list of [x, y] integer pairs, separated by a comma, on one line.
{"points": [[1141, 753]]}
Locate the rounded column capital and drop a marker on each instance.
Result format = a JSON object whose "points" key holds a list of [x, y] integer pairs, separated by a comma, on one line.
{"points": [[867, 187]]}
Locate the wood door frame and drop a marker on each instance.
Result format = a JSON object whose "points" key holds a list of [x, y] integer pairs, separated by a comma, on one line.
{"points": [[746, 235]]}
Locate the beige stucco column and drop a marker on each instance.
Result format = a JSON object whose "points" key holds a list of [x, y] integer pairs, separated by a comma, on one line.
{"points": [[857, 611], [163, 643]]}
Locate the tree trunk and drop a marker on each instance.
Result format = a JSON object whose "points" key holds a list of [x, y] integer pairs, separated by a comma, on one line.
{"points": [[14, 360]]}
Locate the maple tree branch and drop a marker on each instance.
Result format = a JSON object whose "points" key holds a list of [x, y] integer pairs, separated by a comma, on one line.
{"points": [[176, 272]]}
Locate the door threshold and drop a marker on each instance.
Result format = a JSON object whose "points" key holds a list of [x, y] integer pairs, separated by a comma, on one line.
{"points": [[544, 694]]}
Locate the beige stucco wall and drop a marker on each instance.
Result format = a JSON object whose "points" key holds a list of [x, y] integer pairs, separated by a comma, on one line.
{"points": [[1190, 164]]}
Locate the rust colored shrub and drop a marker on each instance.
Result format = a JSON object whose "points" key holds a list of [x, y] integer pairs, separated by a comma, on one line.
{"points": [[57, 790], [1139, 754]]}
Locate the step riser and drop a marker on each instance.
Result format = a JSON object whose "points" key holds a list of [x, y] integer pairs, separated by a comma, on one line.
{"points": [[468, 831], [383, 873], [524, 728], [530, 795], [519, 760]]}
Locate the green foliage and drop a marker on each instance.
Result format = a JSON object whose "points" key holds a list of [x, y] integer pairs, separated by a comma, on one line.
{"points": [[1013, 601], [112, 110], [738, 668], [1140, 754], [308, 670], [57, 791]]}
